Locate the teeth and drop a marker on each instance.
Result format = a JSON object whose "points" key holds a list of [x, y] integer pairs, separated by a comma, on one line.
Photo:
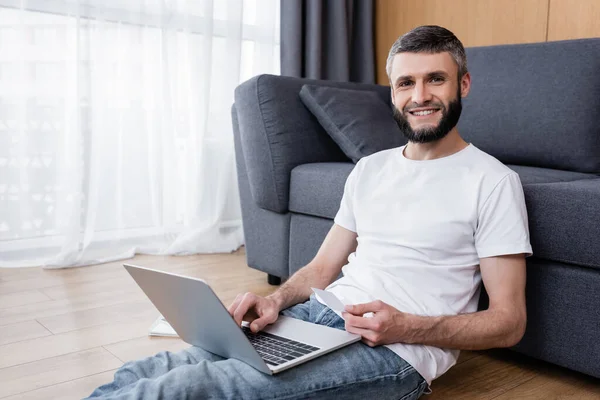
{"points": [[421, 113]]}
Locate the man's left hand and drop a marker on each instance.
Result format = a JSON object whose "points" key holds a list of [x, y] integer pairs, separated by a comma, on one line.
{"points": [[386, 326]]}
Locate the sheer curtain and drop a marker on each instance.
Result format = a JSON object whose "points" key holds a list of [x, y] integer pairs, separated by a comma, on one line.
{"points": [[115, 128]]}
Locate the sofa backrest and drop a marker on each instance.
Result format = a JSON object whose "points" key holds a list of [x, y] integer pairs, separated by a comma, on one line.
{"points": [[536, 104], [530, 104], [278, 133]]}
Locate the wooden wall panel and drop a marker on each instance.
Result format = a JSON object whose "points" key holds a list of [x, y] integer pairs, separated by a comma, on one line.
{"points": [[573, 19], [474, 22]]}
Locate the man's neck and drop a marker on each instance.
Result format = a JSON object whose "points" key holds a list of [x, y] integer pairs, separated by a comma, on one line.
{"points": [[448, 145]]}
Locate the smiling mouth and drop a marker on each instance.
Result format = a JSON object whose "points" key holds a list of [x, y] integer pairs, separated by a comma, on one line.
{"points": [[424, 113]]}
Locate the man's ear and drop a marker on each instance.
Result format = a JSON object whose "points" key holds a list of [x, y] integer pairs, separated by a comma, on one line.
{"points": [[465, 85]]}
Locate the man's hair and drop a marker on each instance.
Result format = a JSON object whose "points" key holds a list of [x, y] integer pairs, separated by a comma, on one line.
{"points": [[429, 39]]}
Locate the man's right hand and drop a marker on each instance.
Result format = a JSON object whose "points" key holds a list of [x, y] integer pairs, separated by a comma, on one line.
{"points": [[259, 311]]}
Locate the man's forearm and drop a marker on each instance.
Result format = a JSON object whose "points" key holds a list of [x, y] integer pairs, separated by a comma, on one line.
{"points": [[477, 331], [298, 288]]}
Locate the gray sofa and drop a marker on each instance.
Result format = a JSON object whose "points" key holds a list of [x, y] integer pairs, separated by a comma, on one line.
{"points": [[535, 107]]}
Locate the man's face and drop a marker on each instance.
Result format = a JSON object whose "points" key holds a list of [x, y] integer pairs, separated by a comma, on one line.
{"points": [[427, 95]]}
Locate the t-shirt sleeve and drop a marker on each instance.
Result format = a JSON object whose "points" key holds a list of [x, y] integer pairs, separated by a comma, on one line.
{"points": [[502, 226], [345, 216]]}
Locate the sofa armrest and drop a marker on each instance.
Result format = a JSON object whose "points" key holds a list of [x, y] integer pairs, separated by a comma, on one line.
{"points": [[277, 133]]}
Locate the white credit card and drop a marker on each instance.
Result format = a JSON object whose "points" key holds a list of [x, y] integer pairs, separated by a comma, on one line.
{"points": [[329, 299]]}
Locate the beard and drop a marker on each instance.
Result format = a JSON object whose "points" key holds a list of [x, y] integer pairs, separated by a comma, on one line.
{"points": [[450, 117]]}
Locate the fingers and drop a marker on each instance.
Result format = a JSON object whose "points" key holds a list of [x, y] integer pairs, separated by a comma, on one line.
{"points": [[234, 305], [373, 324], [245, 303], [360, 309], [369, 337], [259, 323], [370, 329], [369, 343]]}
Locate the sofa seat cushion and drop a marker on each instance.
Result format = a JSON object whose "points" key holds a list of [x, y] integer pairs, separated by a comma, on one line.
{"points": [[530, 175], [563, 221], [317, 189]]}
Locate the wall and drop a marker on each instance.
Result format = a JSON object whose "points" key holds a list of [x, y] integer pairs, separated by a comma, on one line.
{"points": [[485, 22]]}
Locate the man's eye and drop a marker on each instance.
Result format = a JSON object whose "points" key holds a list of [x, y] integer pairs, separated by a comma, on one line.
{"points": [[404, 84], [437, 79]]}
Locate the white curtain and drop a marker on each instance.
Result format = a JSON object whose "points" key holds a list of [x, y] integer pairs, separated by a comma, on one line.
{"points": [[115, 126]]}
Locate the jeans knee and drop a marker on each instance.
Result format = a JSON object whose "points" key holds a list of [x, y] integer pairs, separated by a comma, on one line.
{"points": [[127, 374]]}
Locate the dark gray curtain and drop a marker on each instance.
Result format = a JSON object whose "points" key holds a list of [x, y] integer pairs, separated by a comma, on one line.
{"points": [[328, 39]]}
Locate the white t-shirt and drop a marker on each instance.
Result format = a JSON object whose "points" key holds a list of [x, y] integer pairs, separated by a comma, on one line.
{"points": [[422, 227]]}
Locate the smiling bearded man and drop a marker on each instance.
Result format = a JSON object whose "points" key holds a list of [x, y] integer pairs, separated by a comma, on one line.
{"points": [[419, 228]]}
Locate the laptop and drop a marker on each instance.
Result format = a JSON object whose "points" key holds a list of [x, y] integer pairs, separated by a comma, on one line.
{"points": [[200, 319]]}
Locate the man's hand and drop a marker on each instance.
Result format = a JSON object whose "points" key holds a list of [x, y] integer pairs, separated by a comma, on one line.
{"points": [[259, 311], [386, 326]]}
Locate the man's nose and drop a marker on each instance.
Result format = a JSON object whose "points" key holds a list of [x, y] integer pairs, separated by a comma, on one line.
{"points": [[420, 94]]}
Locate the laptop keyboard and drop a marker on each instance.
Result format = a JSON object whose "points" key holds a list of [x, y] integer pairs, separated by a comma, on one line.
{"points": [[277, 350]]}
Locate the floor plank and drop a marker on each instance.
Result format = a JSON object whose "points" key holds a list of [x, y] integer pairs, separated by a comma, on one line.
{"points": [[51, 371], [99, 316], [481, 377], [75, 389], [137, 348], [552, 382], [38, 278], [120, 281], [51, 346], [57, 307], [466, 355], [22, 331], [544, 388], [22, 298]]}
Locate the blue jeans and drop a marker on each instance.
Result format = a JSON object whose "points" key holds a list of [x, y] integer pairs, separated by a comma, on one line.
{"points": [[356, 371]]}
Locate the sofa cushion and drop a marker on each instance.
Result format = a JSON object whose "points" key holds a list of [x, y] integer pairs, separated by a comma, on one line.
{"points": [[563, 211], [530, 175], [563, 221], [536, 104], [317, 189], [358, 121]]}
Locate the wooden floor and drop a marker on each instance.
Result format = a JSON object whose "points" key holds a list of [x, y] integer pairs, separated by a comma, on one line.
{"points": [[65, 332]]}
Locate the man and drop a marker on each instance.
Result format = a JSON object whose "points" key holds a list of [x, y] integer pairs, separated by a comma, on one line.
{"points": [[419, 228]]}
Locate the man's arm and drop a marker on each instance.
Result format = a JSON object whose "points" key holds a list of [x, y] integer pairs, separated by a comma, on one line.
{"points": [[319, 273], [501, 325]]}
